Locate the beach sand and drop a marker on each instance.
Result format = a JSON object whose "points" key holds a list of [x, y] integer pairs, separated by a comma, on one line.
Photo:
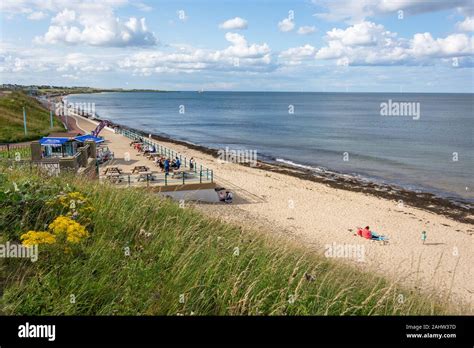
{"points": [[317, 215]]}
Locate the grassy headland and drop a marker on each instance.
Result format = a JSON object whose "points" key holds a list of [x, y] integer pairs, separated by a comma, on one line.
{"points": [[79, 90], [64, 90], [11, 118], [146, 255]]}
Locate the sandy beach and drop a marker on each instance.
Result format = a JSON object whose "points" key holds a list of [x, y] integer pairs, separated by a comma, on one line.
{"points": [[318, 215]]}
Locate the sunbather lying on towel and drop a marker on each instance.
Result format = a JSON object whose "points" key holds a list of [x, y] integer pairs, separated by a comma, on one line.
{"points": [[368, 234]]}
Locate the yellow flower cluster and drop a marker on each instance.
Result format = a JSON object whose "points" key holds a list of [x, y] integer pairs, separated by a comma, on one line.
{"points": [[73, 230], [37, 237], [62, 227]]}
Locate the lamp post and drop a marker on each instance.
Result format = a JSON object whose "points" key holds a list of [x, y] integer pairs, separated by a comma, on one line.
{"points": [[24, 120]]}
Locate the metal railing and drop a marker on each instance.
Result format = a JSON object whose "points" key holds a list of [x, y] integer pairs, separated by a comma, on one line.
{"points": [[200, 173]]}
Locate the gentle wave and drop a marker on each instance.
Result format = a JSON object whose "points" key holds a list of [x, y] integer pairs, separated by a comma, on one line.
{"points": [[293, 164]]}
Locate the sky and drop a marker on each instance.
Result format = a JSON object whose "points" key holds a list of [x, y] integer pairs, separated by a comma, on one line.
{"points": [[241, 45]]}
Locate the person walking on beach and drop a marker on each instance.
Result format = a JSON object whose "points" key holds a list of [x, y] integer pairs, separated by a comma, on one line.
{"points": [[423, 236]]}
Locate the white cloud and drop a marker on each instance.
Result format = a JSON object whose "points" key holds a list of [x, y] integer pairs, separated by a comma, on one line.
{"points": [[239, 56], [234, 23], [86, 22], [296, 55], [97, 31], [286, 25], [361, 34], [455, 45], [12, 64], [466, 25], [353, 11], [36, 16], [142, 7], [80, 62], [70, 76], [240, 47], [306, 30], [13, 7], [39, 60], [367, 43], [335, 49], [363, 43], [64, 17], [299, 52]]}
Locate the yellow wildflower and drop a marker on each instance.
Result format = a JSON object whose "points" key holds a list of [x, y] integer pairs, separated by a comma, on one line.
{"points": [[37, 237], [73, 230]]}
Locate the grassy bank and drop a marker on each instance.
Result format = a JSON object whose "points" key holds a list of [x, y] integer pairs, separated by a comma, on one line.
{"points": [[11, 118], [148, 256]]}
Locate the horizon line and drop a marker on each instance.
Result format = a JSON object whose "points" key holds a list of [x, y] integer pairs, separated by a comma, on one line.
{"points": [[118, 89]]}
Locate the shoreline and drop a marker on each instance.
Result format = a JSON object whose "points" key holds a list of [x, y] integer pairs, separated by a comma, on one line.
{"points": [[461, 211]]}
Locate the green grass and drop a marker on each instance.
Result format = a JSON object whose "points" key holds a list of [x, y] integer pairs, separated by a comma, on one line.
{"points": [[188, 264], [11, 118], [15, 151]]}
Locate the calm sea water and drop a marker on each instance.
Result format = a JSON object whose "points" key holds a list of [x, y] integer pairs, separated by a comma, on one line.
{"points": [[344, 132]]}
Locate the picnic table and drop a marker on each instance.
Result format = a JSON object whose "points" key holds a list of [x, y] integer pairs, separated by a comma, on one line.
{"points": [[138, 169], [114, 177], [113, 170]]}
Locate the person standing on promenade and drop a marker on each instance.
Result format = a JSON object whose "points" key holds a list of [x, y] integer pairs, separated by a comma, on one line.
{"points": [[167, 166]]}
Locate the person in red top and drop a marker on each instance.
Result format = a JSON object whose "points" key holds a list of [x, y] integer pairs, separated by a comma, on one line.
{"points": [[365, 232], [368, 234]]}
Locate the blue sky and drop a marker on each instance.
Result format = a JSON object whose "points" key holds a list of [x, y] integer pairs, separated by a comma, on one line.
{"points": [[319, 45]]}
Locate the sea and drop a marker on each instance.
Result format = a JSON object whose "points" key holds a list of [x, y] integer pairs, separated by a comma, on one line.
{"points": [[417, 141]]}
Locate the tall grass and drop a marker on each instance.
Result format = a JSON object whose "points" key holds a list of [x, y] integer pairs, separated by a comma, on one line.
{"points": [[183, 263], [16, 151]]}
